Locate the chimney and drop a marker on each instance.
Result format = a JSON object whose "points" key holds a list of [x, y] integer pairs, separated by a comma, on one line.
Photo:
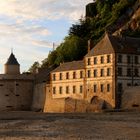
{"points": [[90, 45]]}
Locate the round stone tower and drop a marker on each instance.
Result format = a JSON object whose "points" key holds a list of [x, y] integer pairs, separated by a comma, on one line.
{"points": [[12, 66]]}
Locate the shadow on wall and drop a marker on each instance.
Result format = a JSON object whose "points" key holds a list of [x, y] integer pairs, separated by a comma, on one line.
{"points": [[82, 106], [97, 104]]}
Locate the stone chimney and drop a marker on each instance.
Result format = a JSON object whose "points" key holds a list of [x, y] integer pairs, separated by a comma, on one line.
{"points": [[90, 45]]}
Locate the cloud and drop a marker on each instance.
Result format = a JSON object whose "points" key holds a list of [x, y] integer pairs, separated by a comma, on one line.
{"points": [[23, 26], [40, 9]]}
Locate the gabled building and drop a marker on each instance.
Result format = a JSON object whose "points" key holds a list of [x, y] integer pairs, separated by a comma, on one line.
{"points": [[105, 72]]}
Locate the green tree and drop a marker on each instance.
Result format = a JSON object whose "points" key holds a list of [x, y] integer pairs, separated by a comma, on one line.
{"points": [[35, 66]]}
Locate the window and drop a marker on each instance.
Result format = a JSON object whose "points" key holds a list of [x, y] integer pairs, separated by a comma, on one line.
{"points": [[128, 84], [120, 87], [95, 73], [108, 59], [88, 74], [119, 71], [74, 89], [81, 89], [81, 74], [95, 60], [54, 90], [1, 85], [108, 71], [67, 75], [135, 84], [108, 87], [119, 58], [60, 90], [74, 75], [136, 60], [136, 72], [60, 76], [102, 59], [54, 77], [88, 61], [102, 87], [128, 59], [102, 72], [67, 89], [129, 72], [95, 88]]}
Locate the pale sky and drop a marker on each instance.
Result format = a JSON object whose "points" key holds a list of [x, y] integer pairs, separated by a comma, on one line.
{"points": [[31, 26]]}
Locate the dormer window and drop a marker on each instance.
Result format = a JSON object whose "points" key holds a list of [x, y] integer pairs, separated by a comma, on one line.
{"points": [[89, 63], [54, 77]]}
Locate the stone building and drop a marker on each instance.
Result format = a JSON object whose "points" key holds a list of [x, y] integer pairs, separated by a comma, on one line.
{"points": [[101, 77], [100, 81], [16, 90]]}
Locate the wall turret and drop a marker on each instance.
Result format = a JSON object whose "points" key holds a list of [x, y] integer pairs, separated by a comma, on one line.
{"points": [[12, 66]]}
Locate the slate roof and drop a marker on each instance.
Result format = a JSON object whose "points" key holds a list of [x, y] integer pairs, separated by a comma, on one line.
{"points": [[74, 65], [12, 60], [114, 44]]}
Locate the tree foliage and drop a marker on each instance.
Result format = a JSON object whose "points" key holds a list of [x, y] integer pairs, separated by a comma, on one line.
{"points": [[99, 17], [35, 66]]}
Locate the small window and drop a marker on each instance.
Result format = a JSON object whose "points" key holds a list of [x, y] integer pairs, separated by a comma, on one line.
{"points": [[67, 89], [102, 59], [53, 77], [128, 84], [95, 88], [102, 72], [119, 71], [120, 87], [60, 90], [136, 72], [88, 74], [81, 89], [108, 71], [1, 85], [88, 61], [7, 95], [17, 84], [67, 75], [95, 60], [60, 76], [108, 87], [74, 75], [129, 72], [81, 74], [108, 59], [54, 90], [128, 59], [136, 59], [95, 73], [136, 84], [74, 89], [135, 105], [119, 58], [17, 95], [102, 87], [9, 106]]}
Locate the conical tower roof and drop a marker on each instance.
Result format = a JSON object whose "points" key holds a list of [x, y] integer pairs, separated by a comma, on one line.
{"points": [[12, 60]]}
